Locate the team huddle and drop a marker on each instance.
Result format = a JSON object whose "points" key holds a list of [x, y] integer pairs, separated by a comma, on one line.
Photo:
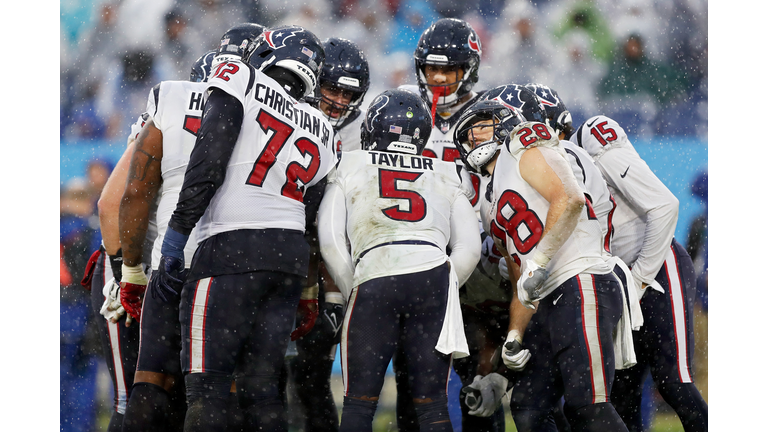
{"points": [[439, 228]]}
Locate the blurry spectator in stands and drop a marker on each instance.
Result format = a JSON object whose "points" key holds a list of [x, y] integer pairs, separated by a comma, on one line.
{"points": [[125, 94], [520, 50], [177, 52], [585, 15], [78, 339], [632, 73], [697, 243], [410, 20], [208, 20], [315, 15], [90, 65], [576, 76]]}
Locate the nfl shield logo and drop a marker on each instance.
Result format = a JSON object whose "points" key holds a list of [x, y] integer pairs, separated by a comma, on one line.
{"points": [[444, 127]]}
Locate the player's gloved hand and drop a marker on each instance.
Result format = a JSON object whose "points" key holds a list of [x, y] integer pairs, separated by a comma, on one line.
{"points": [[169, 278], [513, 354], [491, 388], [112, 309], [307, 312], [490, 258], [132, 288], [333, 315], [532, 279]]}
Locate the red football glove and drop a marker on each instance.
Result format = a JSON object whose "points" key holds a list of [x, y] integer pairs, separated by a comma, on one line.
{"points": [[89, 269], [132, 289], [308, 311]]}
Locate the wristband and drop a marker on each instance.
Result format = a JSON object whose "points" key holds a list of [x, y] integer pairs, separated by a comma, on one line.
{"points": [[116, 262], [134, 274], [173, 244], [334, 297], [310, 292]]}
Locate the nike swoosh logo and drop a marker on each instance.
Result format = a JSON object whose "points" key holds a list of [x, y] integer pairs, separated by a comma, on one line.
{"points": [[625, 173], [590, 124], [557, 299]]}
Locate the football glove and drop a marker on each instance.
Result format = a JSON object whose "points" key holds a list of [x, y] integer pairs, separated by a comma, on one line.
{"points": [[491, 389], [90, 267], [513, 354], [168, 280], [530, 282], [333, 315], [489, 256], [503, 269], [132, 288], [112, 309], [307, 312]]}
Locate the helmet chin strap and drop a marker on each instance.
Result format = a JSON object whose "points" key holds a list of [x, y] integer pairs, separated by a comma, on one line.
{"points": [[437, 92]]}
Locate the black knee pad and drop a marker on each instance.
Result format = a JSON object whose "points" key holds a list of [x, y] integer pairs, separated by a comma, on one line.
{"points": [[207, 386]]}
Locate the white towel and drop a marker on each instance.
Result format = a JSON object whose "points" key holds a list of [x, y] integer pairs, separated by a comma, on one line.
{"points": [[623, 345], [452, 339]]}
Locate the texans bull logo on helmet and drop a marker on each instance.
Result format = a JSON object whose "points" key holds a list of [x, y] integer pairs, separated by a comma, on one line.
{"points": [[277, 39], [474, 43]]}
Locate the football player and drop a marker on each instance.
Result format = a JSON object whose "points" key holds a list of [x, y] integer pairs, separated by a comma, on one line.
{"points": [[402, 212], [553, 244], [645, 222], [255, 177], [119, 339], [344, 81], [174, 111], [446, 64]]}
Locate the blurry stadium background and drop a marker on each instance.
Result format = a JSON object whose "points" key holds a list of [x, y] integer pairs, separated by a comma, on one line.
{"points": [[641, 62]]}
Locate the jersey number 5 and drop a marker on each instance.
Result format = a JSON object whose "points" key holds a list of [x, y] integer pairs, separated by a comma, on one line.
{"points": [[417, 207], [295, 171]]}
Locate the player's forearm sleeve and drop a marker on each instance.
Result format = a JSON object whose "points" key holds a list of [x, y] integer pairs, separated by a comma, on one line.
{"points": [[647, 195], [332, 220], [219, 129], [465, 240]]}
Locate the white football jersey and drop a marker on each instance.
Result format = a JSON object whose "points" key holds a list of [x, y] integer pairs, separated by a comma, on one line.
{"points": [[176, 108], [517, 213], [646, 212], [348, 137], [398, 199], [284, 147], [599, 199]]}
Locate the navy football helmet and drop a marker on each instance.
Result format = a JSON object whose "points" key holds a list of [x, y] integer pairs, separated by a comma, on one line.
{"points": [[345, 68], [239, 41], [558, 116], [492, 112], [289, 51], [519, 98], [202, 67], [449, 41], [397, 121]]}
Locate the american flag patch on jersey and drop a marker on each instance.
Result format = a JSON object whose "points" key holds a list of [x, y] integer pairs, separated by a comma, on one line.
{"points": [[395, 129], [308, 52]]}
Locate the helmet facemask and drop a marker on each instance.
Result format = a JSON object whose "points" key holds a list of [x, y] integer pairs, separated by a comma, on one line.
{"points": [[344, 110]]}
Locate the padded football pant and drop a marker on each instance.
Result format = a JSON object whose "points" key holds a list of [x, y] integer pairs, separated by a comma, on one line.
{"points": [[120, 344], [664, 346], [571, 343], [237, 322], [406, 310]]}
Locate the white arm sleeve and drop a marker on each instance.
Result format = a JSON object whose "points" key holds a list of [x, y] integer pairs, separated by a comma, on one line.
{"points": [[332, 221], [647, 195], [465, 240]]}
